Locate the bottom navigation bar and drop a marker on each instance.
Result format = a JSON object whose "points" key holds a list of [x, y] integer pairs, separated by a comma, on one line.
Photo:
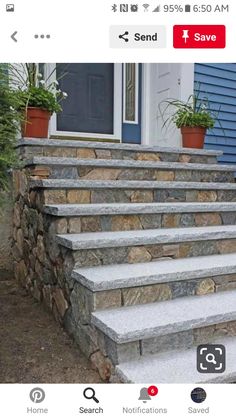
{"points": [[118, 400]]}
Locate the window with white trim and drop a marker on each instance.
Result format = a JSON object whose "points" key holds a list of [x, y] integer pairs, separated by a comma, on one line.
{"points": [[130, 93]]}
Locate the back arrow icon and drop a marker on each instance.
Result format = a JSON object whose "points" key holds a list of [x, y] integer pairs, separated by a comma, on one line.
{"points": [[13, 36]]}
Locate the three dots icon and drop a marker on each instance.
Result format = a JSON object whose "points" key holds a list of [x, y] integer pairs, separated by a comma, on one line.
{"points": [[42, 36]]}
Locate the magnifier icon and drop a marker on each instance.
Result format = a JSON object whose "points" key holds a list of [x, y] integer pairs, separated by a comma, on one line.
{"points": [[211, 359], [89, 394]]}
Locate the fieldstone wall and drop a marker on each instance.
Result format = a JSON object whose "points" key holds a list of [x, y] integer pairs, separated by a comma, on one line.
{"points": [[6, 227], [44, 269]]}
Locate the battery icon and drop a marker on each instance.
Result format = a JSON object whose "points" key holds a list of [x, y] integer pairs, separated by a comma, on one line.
{"points": [[187, 8]]}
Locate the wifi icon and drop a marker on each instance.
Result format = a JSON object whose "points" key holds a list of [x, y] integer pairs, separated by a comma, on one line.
{"points": [[146, 7]]}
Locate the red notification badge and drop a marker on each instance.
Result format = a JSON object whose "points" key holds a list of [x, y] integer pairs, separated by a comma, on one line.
{"points": [[152, 391]]}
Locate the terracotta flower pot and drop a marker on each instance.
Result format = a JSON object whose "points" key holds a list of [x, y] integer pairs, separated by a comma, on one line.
{"points": [[36, 123], [193, 137]]}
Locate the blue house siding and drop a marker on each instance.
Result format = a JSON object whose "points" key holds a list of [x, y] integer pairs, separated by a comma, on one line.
{"points": [[218, 83]]}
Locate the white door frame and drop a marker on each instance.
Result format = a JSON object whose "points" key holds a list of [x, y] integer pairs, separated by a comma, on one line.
{"points": [[145, 115], [187, 88], [117, 109]]}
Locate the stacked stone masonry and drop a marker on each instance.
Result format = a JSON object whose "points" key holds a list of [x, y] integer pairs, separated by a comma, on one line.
{"points": [[45, 266]]}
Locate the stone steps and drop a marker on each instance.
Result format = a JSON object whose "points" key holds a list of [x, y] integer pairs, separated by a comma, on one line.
{"points": [[83, 149], [111, 258], [62, 191], [141, 283], [112, 277], [100, 169], [148, 321], [126, 164], [101, 240], [137, 246], [177, 367], [116, 217], [76, 210]]}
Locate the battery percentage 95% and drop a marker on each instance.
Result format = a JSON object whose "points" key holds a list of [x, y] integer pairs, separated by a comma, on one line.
{"points": [[173, 8]]}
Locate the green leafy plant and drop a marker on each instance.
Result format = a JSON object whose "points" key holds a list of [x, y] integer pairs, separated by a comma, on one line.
{"points": [[9, 127], [33, 91], [38, 97], [195, 112]]}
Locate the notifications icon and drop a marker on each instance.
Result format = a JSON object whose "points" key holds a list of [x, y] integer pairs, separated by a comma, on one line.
{"points": [[147, 392]]}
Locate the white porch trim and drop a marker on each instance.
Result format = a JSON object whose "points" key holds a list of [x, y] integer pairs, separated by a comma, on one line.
{"points": [[146, 103], [186, 84], [117, 117], [187, 81]]}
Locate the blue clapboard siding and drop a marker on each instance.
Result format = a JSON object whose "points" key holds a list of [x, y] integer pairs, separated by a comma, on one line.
{"points": [[218, 83]]}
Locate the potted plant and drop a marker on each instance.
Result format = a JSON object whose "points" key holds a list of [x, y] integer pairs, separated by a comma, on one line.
{"points": [[38, 100], [193, 118], [39, 104]]}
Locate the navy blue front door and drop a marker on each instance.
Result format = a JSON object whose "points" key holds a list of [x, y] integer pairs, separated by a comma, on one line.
{"points": [[131, 130], [89, 107]]}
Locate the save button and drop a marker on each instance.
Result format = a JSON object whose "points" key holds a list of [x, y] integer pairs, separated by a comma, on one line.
{"points": [[199, 36]]}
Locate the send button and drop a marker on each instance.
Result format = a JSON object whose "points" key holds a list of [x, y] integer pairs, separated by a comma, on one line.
{"points": [[131, 36]]}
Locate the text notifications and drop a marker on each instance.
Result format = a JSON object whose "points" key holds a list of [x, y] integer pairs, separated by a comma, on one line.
{"points": [[199, 36]]}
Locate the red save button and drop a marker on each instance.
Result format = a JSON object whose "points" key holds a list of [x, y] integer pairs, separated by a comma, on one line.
{"points": [[199, 36]]}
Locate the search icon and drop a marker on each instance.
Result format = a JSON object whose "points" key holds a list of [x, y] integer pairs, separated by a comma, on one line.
{"points": [[211, 359], [89, 393]]}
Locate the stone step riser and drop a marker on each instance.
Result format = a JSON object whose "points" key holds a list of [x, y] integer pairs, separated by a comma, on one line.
{"points": [[176, 367], [119, 353], [103, 173], [96, 223], [132, 296], [140, 254], [99, 196], [95, 153]]}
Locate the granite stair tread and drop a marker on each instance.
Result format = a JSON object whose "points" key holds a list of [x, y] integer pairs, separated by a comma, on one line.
{"points": [[176, 367], [129, 164], [110, 277], [66, 210], [145, 237], [114, 146], [144, 321], [127, 184]]}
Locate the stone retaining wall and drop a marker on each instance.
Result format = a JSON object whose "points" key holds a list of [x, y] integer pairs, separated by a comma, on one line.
{"points": [[44, 269], [6, 225]]}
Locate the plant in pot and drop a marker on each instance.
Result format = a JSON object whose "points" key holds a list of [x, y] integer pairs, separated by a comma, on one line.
{"points": [[38, 100], [193, 118]]}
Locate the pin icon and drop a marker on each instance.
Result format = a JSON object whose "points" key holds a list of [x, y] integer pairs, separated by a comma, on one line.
{"points": [[185, 35]]}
